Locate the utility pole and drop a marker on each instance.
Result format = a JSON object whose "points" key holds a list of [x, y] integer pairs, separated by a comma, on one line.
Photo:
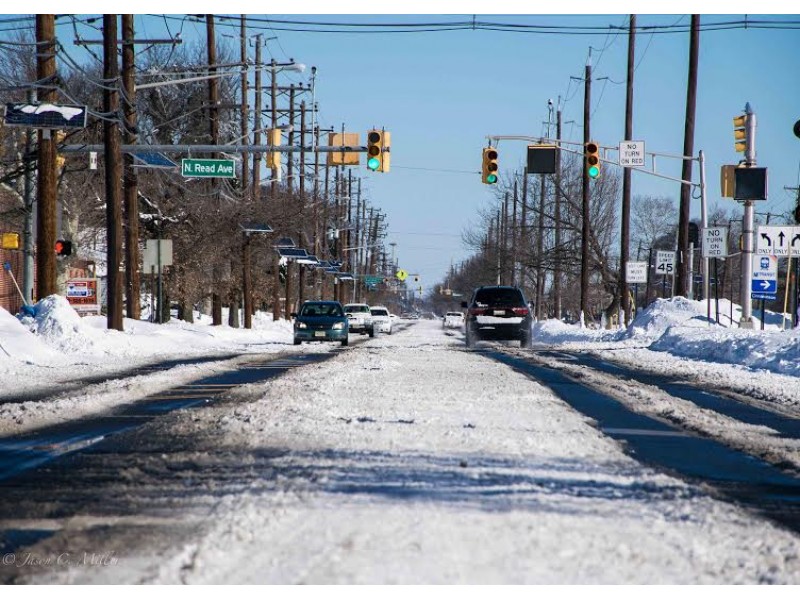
{"points": [[682, 271], [257, 126], [245, 175], [524, 237], [274, 125], [624, 300], [28, 254], [213, 123], [540, 253], [130, 182], [302, 175], [514, 234], [585, 229], [290, 160], [113, 164], [247, 293], [557, 218], [46, 185]]}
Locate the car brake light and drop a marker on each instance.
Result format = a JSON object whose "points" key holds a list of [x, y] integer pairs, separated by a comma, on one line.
{"points": [[477, 311], [521, 312]]}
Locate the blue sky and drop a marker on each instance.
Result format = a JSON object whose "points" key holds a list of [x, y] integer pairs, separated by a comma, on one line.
{"points": [[441, 93]]}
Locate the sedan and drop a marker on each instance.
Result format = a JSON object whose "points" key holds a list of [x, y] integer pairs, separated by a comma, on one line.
{"points": [[320, 321], [381, 319]]}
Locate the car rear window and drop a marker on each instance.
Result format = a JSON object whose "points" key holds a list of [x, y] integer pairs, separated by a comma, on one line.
{"points": [[499, 297], [356, 309], [321, 310], [379, 312]]}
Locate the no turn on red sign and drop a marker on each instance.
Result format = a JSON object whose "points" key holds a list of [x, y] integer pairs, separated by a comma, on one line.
{"points": [[715, 242]]}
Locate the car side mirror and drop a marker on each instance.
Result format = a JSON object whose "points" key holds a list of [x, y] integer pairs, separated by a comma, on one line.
{"points": [[464, 305], [293, 315]]}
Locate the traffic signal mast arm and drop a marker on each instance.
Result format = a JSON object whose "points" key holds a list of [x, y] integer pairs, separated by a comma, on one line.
{"points": [[579, 149]]}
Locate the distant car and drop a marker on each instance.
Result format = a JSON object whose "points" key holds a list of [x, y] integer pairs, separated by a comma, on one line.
{"points": [[381, 319], [321, 321], [453, 320], [359, 318], [498, 312]]}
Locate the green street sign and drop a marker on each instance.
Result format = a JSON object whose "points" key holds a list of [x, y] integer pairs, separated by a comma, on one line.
{"points": [[208, 167], [373, 279]]}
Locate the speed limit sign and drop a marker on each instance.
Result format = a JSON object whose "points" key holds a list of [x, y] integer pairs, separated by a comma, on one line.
{"points": [[665, 262]]}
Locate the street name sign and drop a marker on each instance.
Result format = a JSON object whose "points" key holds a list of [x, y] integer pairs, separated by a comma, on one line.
{"points": [[778, 240], [764, 283], [631, 154], [636, 272], [715, 242], [665, 262], [208, 167]]}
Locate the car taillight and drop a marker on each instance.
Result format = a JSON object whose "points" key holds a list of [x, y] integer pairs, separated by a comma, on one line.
{"points": [[521, 312], [477, 311]]}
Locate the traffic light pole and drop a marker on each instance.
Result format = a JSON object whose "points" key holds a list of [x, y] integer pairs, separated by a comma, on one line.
{"points": [[746, 321]]}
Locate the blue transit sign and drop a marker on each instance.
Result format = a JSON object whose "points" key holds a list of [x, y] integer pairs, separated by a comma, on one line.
{"points": [[764, 286]]}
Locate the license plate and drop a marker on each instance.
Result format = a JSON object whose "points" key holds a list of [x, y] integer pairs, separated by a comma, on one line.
{"points": [[498, 313], [319, 334]]}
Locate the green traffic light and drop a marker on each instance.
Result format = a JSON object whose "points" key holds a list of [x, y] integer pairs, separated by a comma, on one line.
{"points": [[373, 163], [491, 178], [594, 172]]}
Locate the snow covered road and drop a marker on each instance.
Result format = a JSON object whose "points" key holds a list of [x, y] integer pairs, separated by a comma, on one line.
{"points": [[402, 460]]}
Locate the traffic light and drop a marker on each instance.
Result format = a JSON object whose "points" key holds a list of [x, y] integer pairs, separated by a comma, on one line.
{"points": [[593, 160], [797, 212], [63, 248], [489, 171], [378, 150], [740, 133]]}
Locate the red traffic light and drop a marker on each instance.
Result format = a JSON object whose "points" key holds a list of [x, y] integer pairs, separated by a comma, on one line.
{"points": [[63, 248]]}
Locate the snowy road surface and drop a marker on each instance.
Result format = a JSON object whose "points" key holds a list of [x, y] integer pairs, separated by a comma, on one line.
{"points": [[402, 460]]}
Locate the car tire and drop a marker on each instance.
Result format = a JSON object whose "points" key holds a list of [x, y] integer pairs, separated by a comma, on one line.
{"points": [[372, 332], [345, 342], [525, 341], [468, 339], [297, 341]]}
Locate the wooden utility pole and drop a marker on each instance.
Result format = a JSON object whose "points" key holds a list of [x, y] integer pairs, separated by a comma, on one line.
{"points": [[257, 125], [245, 118], [274, 124], [47, 181], [302, 153], [290, 161], [113, 164], [247, 292], [585, 228], [557, 218], [130, 182], [514, 233], [540, 254], [682, 256], [524, 232], [624, 300], [213, 123]]}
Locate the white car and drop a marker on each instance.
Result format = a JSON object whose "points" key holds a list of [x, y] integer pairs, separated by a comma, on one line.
{"points": [[453, 319], [381, 319], [360, 318]]}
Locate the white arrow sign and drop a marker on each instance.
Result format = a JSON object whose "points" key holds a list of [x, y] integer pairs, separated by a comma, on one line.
{"points": [[778, 240]]}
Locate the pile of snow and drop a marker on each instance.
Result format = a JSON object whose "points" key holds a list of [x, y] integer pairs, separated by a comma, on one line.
{"points": [[680, 327]]}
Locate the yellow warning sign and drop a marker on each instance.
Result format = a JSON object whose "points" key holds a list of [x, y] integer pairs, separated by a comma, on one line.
{"points": [[401, 275]]}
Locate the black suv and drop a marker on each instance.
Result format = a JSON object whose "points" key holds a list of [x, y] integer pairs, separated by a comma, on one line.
{"points": [[498, 312]]}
